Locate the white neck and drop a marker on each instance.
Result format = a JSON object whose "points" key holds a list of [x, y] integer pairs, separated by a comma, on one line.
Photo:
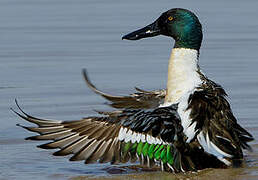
{"points": [[182, 74]]}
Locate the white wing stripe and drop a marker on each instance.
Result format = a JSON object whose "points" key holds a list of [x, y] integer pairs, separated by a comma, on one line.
{"points": [[127, 135], [133, 138], [122, 133]]}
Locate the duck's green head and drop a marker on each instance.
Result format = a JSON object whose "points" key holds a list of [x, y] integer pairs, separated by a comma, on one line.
{"points": [[180, 24]]}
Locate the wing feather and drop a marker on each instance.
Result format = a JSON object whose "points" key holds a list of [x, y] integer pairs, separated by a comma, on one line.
{"points": [[98, 153], [140, 100], [43, 130], [108, 155], [115, 137], [86, 151], [61, 143], [216, 127], [52, 135], [73, 147]]}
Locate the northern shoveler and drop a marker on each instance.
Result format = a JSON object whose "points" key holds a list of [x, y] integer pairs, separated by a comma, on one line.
{"points": [[189, 126]]}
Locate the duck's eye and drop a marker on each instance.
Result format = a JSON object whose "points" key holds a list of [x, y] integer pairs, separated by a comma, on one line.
{"points": [[170, 18]]}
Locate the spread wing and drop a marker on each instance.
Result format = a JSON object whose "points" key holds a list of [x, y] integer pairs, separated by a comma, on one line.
{"points": [[153, 137], [216, 127], [140, 100]]}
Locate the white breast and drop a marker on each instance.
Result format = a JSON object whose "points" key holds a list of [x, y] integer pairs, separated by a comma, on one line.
{"points": [[183, 78], [183, 75]]}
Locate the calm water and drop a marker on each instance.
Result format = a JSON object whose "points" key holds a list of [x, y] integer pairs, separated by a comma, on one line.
{"points": [[44, 45]]}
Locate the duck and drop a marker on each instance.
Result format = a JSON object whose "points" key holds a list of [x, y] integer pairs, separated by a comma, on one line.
{"points": [[188, 126]]}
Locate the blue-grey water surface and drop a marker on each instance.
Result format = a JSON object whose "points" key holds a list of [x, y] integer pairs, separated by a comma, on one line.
{"points": [[44, 44]]}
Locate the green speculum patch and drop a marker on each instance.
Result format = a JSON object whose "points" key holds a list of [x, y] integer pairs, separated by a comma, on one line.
{"points": [[160, 152]]}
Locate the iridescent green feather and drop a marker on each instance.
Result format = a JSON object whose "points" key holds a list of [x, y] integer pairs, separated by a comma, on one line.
{"points": [[139, 148], [126, 147], [158, 152], [133, 148], [170, 158], [151, 151], [145, 149], [156, 147], [163, 155]]}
